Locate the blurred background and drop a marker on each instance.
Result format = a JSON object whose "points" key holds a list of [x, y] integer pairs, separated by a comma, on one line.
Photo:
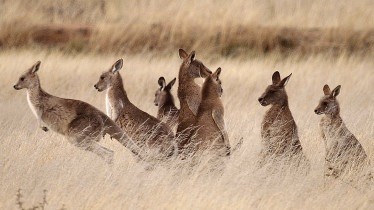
{"points": [[228, 28]]}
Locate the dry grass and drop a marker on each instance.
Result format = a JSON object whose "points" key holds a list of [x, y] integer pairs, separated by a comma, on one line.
{"points": [[234, 28], [33, 160], [146, 34]]}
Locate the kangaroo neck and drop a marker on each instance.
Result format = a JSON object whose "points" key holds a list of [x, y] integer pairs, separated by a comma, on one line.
{"points": [[168, 101], [279, 108], [333, 117], [35, 93], [187, 86], [209, 90], [117, 93]]}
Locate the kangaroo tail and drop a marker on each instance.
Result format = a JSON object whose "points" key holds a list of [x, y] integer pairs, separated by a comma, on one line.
{"points": [[117, 133]]}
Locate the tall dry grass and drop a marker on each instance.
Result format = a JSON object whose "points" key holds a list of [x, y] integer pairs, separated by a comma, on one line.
{"points": [[33, 160], [229, 28]]}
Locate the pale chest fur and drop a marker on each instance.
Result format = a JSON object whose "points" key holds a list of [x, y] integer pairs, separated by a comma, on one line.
{"points": [[113, 107], [36, 110], [52, 111]]}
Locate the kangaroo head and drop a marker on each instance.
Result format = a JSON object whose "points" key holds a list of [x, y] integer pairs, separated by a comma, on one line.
{"points": [[192, 68], [29, 79], [163, 93], [328, 103], [213, 84], [108, 78], [275, 93]]}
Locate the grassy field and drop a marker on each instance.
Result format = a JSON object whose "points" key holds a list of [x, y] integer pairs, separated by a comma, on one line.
{"points": [[34, 161], [320, 42]]}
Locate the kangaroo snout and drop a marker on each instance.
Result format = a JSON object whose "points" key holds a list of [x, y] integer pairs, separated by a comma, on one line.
{"points": [[97, 88], [317, 111], [15, 87], [262, 101]]}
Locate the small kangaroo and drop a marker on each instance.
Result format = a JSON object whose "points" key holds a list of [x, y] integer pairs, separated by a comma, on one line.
{"points": [[278, 128], [211, 133], [189, 93], [145, 129], [83, 124], [164, 99], [343, 150]]}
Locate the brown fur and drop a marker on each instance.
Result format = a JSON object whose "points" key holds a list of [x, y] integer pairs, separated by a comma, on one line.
{"points": [[83, 124], [278, 128], [343, 151], [164, 99], [211, 134], [145, 129], [189, 93]]}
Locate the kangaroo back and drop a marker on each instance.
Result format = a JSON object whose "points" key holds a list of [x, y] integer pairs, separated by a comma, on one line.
{"points": [[189, 93]]}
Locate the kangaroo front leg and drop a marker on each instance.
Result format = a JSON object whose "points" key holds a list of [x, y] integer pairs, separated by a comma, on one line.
{"points": [[42, 125]]}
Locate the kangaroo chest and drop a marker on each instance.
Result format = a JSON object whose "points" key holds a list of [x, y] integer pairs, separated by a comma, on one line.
{"points": [[336, 135], [54, 113], [277, 122], [34, 106], [279, 131], [113, 108]]}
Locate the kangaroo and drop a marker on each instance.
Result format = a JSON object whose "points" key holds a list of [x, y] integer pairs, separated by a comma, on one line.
{"points": [[145, 129], [343, 150], [189, 93], [278, 128], [167, 111], [82, 123], [211, 133]]}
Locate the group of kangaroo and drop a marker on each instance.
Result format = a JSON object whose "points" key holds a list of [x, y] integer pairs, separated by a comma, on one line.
{"points": [[199, 123]]}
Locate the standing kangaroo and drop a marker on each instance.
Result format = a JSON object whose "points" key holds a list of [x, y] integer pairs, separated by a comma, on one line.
{"points": [[211, 133], [83, 124], [189, 93], [167, 111], [343, 150], [278, 128], [144, 129]]}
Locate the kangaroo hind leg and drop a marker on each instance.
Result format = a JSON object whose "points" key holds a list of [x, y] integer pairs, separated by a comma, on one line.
{"points": [[85, 132]]}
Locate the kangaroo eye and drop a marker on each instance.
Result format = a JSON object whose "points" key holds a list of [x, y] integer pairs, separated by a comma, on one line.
{"points": [[22, 78], [324, 103], [101, 78]]}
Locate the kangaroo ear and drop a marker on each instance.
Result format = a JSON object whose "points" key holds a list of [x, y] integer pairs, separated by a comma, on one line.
{"points": [[35, 67], [161, 82], [191, 57], [117, 65], [171, 83], [182, 54], [284, 81], [336, 91], [276, 78], [216, 74], [326, 90]]}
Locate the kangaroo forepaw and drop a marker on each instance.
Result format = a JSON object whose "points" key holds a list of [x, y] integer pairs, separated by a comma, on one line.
{"points": [[45, 129]]}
